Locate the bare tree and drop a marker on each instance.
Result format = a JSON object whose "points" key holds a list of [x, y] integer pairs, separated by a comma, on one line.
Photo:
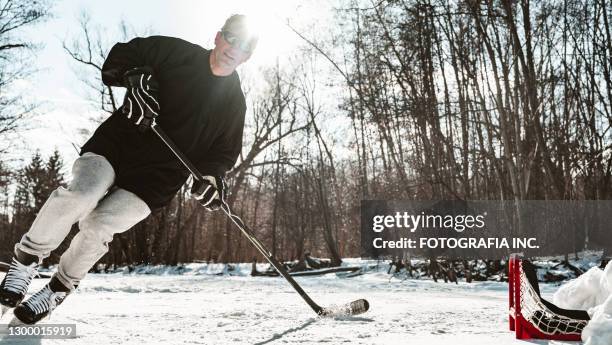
{"points": [[15, 61], [89, 49]]}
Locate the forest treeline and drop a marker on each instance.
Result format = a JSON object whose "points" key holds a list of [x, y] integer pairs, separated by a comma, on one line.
{"points": [[417, 100]]}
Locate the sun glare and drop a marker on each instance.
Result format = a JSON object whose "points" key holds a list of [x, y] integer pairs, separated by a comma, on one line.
{"points": [[269, 21]]}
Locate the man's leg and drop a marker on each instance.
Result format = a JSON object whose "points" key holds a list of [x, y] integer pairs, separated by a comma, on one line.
{"points": [[116, 213], [92, 176]]}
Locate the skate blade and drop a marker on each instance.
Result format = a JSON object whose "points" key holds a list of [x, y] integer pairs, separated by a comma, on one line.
{"points": [[4, 310], [15, 322]]}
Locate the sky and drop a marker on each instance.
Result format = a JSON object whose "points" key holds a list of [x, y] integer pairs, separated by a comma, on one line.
{"points": [[65, 107]]}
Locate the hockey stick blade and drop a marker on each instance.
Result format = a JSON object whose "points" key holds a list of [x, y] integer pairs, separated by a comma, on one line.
{"points": [[356, 307]]}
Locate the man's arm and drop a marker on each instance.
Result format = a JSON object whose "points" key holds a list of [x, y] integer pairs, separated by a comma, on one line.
{"points": [[155, 52]]}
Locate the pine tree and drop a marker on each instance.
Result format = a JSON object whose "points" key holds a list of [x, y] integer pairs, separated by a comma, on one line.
{"points": [[35, 182], [34, 175], [53, 175]]}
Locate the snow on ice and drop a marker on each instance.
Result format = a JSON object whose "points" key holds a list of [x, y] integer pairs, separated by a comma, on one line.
{"points": [[209, 304]]}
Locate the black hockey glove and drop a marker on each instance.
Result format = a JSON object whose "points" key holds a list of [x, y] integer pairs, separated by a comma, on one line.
{"points": [[141, 99], [210, 192]]}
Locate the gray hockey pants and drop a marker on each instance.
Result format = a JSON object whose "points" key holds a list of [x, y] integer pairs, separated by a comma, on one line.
{"points": [[100, 210]]}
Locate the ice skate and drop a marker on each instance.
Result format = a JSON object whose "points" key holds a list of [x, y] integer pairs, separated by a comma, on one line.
{"points": [[42, 303], [15, 284]]}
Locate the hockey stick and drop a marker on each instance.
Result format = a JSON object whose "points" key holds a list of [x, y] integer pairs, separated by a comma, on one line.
{"points": [[353, 308]]}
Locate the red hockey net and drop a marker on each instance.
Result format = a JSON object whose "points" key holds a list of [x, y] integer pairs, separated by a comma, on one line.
{"points": [[531, 316]]}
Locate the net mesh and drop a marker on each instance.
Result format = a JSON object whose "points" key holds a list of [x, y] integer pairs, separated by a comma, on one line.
{"points": [[541, 316]]}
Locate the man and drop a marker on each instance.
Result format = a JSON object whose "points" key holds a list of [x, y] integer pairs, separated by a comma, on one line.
{"points": [[124, 170]]}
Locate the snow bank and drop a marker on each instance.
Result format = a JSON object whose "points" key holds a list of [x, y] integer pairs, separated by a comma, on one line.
{"points": [[591, 291], [232, 269], [587, 291], [599, 330]]}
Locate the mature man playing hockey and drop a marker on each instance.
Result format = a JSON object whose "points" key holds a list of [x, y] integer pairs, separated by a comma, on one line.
{"points": [[124, 170]]}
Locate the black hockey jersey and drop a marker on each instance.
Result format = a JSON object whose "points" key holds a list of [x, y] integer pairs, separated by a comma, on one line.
{"points": [[202, 113]]}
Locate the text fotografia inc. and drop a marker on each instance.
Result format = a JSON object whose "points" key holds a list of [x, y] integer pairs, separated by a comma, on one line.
{"points": [[452, 243]]}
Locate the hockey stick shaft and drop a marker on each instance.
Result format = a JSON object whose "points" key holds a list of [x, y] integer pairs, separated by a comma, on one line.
{"points": [[248, 233]]}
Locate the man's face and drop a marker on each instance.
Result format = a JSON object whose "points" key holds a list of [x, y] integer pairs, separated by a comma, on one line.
{"points": [[227, 55]]}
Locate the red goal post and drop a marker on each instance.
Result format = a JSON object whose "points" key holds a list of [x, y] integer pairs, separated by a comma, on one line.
{"points": [[530, 315]]}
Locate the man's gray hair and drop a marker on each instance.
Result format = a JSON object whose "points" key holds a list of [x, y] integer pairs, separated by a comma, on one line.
{"points": [[240, 25]]}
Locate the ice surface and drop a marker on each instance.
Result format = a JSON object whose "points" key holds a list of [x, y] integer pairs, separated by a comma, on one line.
{"points": [[199, 306]]}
